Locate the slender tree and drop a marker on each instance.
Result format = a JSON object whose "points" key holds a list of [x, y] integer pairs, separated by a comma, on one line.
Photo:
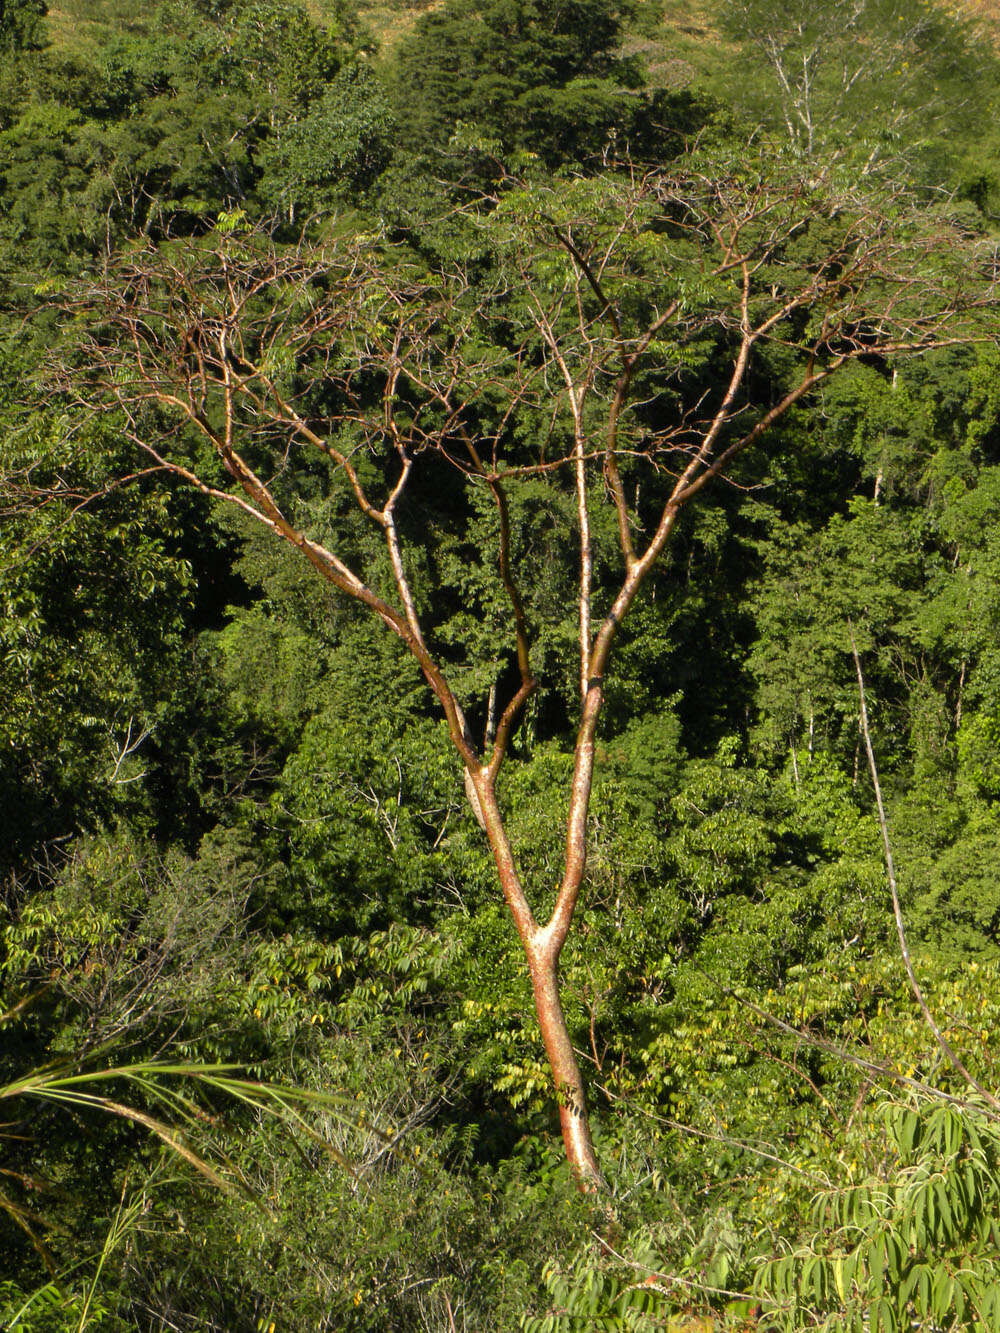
{"points": [[636, 337]]}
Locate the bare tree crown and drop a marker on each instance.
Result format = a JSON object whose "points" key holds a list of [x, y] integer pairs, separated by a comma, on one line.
{"points": [[626, 343]]}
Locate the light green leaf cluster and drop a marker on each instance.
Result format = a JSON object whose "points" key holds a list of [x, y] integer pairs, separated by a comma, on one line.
{"points": [[914, 1245]]}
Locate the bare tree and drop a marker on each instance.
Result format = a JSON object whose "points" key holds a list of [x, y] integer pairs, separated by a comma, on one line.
{"points": [[852, 71], [348, 356]]}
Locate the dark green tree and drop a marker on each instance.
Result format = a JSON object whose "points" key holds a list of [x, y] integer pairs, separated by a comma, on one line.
{"points": [[22, 25], [535, 75]]}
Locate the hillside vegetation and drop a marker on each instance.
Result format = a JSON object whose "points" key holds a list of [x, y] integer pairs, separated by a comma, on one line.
{"points": [[500, 667]]}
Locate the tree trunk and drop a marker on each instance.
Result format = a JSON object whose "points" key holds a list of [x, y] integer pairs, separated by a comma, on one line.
{"points": [[543, 961], [542, 946]]}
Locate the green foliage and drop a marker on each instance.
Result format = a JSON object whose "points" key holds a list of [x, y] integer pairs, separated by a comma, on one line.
{"points": [[368, 823], [641, 1284], [21, 25], [499, 56], [335, 151], [533, 75], [586, 1297], [858, 569], [235, 833], [93, 587], [166, 127], [879, 80], [914, 1243]]}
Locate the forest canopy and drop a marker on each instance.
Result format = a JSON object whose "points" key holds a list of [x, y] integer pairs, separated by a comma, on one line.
{"points": [[454, 472]]}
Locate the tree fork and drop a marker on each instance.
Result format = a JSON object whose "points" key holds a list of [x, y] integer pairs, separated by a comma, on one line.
{"points": [[885, 279]]}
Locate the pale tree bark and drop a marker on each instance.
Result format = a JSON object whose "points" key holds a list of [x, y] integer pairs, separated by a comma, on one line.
{"points": [[200, 338], [830, 67]]}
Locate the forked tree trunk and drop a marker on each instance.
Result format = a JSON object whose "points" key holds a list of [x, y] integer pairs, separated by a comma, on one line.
{"points": [[171, 325]]}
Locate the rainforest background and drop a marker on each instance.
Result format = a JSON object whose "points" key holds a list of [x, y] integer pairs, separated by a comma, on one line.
{"points": [[233, 831]]}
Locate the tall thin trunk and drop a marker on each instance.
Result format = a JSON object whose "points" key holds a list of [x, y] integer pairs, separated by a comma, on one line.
{"points": [[542, 946], [574, 1120]]}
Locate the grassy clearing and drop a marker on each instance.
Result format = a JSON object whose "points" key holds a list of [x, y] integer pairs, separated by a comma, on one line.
{"points": [[82, 24], [389, 21], [676, 38], [78, 24]]}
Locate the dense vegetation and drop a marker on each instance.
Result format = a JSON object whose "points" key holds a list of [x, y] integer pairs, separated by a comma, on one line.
{"points": [[270, 1058]]}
